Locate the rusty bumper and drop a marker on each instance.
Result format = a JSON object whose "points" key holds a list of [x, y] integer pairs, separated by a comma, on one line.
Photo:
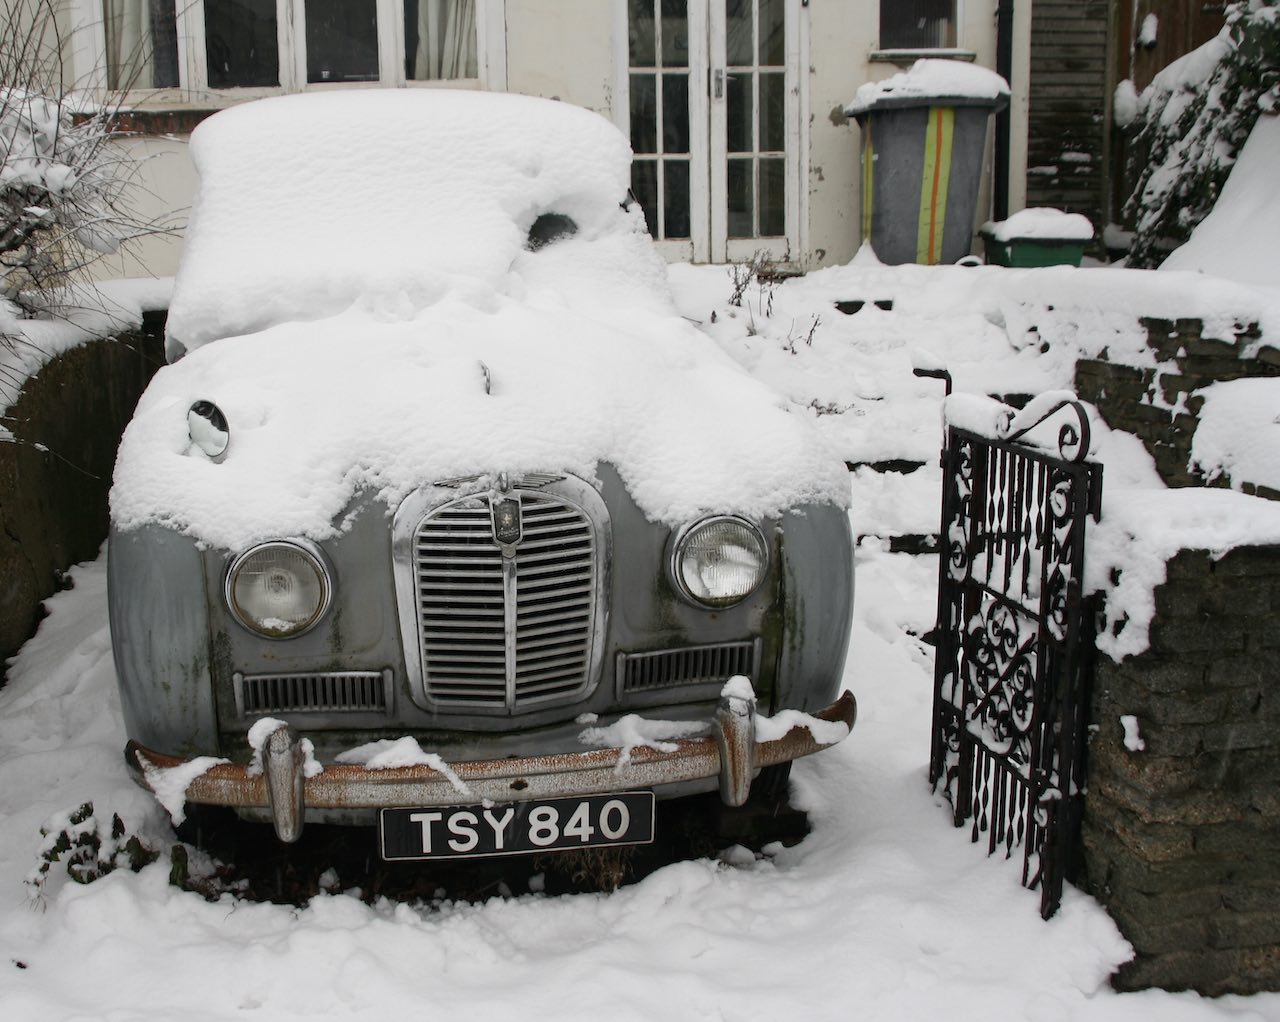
{"points": [[730, 753]]}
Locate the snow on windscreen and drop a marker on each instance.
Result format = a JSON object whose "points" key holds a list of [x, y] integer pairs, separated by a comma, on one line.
{"points": [[388, 198]]}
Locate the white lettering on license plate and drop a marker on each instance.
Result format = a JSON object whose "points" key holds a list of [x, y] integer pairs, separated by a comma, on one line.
{"points": [[624, 818]]}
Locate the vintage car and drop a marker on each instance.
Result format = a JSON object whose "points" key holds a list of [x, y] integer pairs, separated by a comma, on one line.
{"points": [[441, 519]]}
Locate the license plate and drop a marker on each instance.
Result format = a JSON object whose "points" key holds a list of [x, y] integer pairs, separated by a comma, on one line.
{"points": [[515, 828]]}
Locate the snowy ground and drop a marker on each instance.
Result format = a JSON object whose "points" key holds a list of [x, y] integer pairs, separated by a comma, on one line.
{"points": [[884, 912]]}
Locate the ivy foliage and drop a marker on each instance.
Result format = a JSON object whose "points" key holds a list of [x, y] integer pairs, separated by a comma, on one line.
{"points": [[1194, 119], [87, 847]]}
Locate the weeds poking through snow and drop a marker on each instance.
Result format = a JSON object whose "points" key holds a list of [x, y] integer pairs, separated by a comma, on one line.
{"points": [[760, 271], [790, 343], [87, 848]]}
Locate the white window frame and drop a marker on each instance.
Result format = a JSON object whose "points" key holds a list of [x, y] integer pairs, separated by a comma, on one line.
{"points": [[906, 55], [778, 248], [89, 55], [708, 220]]}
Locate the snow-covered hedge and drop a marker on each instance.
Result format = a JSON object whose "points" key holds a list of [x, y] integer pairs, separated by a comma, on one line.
{"points": [[57, 193], [68, 191], [1192, 121]]}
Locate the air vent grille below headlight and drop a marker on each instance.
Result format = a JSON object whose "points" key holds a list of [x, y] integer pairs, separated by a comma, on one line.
{"points": [[346, 691], [687, 666]]}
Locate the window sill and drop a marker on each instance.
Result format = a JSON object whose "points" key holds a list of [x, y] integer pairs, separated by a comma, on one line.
{"points": [[163, 115], [175, 121], [905, 57]]}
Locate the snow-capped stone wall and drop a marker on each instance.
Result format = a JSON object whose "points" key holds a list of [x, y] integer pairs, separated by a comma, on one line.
{"points": [[1182, 821], [66, 420], [1162, 406]]}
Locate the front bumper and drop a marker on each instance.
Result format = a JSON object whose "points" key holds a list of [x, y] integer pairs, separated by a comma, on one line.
{"points": [[730, 753]]}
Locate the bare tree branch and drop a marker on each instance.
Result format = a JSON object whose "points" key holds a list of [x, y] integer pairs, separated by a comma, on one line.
{"points": [[68, 187]]}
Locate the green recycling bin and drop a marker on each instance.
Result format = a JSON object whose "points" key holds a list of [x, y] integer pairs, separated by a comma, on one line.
{"points": [[924, 133]]}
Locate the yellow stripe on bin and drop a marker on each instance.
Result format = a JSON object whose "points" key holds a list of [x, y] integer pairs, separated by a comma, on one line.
{"points": [[935, 178], [868, 169]]}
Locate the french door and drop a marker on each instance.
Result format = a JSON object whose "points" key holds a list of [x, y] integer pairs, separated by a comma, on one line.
{"points": [[714, 119]]}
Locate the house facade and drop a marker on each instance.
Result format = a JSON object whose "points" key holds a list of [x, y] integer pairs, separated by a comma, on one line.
{"points": [[733, 107]]}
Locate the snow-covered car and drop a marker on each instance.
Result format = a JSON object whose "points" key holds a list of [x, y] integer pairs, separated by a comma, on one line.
{"points": [[440, 517]]}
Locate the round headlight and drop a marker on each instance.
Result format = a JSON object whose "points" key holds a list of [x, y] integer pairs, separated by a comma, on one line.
{"points": [[719, 561], [278, 589]]}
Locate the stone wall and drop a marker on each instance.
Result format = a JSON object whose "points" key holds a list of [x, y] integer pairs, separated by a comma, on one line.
{"points": [[1182, 837], [54, 480], [1158, 405]]}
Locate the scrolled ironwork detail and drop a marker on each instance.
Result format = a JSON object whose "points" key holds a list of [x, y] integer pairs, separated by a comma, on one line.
{"points": [[1000, 678], [1073, 437]]}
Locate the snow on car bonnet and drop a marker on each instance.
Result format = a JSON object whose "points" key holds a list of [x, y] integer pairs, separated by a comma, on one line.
{"points": [[309, 204]]}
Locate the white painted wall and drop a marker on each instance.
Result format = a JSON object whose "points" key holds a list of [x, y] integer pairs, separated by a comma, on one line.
{"points": [[570, 49], [166, 181], [563, 49]]}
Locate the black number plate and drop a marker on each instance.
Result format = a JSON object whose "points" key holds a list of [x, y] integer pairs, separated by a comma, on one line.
{"points": [[438, 832]]}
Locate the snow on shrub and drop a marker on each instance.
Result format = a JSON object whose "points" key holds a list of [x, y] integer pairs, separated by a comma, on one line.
{"points": [[66, 186], [1192, 120], [87, 847]]}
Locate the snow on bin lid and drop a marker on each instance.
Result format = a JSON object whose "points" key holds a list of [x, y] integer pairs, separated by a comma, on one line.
{"points": [[1040, 223], [311, 203], [932, 79]]}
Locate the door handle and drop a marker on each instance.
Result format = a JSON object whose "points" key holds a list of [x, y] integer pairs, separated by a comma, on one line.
{"points": [[717, 83]]}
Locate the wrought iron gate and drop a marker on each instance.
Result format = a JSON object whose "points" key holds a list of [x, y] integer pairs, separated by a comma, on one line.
{"points": [[1015, 638]]}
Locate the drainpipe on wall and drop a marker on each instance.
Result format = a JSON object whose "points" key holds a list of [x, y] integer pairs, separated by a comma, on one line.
{"points": [[1004, 68]]}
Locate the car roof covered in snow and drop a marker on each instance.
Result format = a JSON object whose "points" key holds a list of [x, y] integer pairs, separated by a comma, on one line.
{"points": [[310, 204]]}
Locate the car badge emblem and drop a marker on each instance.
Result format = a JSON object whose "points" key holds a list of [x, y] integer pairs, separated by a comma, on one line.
{"points": [[506, 521]]}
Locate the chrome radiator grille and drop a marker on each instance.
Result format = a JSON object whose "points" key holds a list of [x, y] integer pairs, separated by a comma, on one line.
{"points": [[505, 631]]}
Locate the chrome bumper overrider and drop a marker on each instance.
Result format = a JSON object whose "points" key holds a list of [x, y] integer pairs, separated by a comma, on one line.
{"points": [[730, 753]]}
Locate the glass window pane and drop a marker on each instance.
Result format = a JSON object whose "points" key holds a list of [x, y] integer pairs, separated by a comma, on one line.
{"points": [[675, 199], [739, 113], [773, 40], [640, 34], [738, 38], [439, 40], [917, 24], [644, 186], [644, 113], [740, 199], [342, 40], [240, 42], [675, 113], [773, 116], [142, 44], [675, 33], [773, 198]]}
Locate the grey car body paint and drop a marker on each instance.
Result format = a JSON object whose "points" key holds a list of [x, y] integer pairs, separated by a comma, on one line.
{"points": [[178, 647]]}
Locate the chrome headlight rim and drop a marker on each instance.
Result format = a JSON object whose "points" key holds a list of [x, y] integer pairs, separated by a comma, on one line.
{"points": [[315, 559], [682, 536]]}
